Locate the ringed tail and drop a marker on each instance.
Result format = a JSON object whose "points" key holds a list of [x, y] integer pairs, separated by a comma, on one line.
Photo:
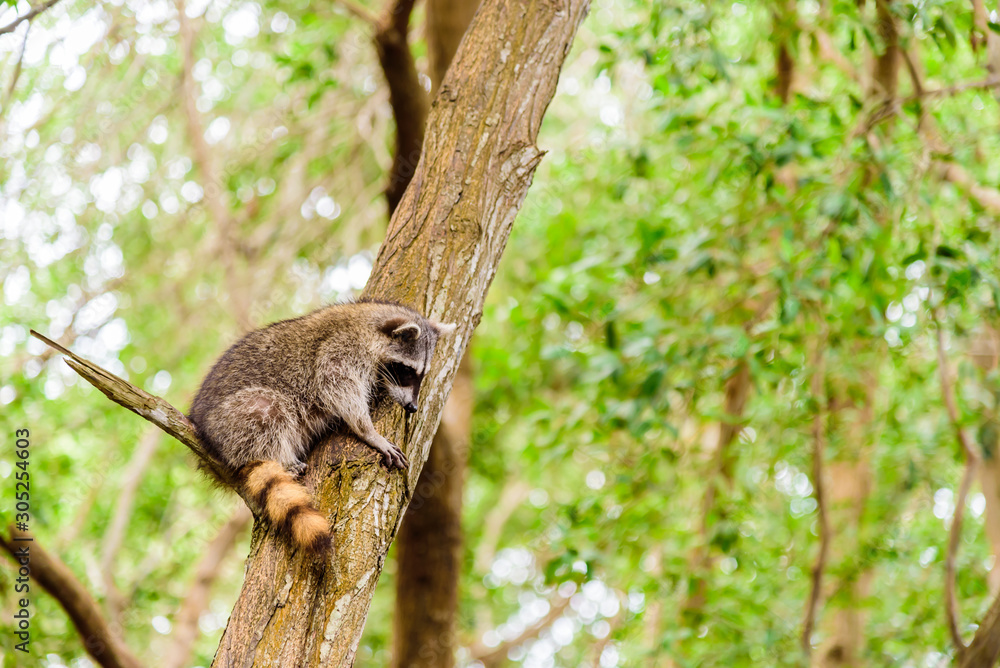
{"points": [[287, 505]]}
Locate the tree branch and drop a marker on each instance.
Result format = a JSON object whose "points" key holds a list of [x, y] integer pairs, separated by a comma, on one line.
{"points": [[819, 489], [439, 255], [12, 26], [58, 580], [981, 19], [986, 197], [954, 538], [17, 73], [154, 409], [115, 533], [736, 388], [406, 96], [359, 11], [445, 24], [491, 657], [948, 395], [947, 91], [213, 187], [971, 461], [513, 494], [885, 71], [984, 650]]}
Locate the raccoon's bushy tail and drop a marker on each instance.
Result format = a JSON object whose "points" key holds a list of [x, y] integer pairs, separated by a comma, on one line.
{"points": [[287, 505]]}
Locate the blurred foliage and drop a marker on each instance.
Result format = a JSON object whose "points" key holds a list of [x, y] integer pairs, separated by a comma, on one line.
{"points": [[685, 224]]}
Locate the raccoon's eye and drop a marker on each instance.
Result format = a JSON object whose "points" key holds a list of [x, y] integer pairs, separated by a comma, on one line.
{"points": [[401, 374]]}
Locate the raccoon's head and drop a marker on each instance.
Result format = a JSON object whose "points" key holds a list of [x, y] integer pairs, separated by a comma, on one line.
{"points": [[407, 357]]}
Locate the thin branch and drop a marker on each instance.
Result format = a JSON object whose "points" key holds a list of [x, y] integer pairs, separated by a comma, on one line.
{"points": [[512, 496], [17, 73], [947, 91], [971, 461], [819, 489], [445, 23], [784, 32], [984, 650], [407, 97], [359, 11], [981, 20], [115, 534], [948, 394], [597, 651], [986, 197], [954, 538], [58, 580], [495, 656], [736, 388], [889, 110], [152, 408], [12, 26], [186, 627], [885, 68], [214, 186]]}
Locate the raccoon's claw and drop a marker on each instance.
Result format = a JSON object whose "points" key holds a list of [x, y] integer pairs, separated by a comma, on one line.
{"points": [[395, 459], [297, 468]]}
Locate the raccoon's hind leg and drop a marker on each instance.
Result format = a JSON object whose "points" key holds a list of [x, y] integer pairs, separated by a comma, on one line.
{"points": [[259, 423]]}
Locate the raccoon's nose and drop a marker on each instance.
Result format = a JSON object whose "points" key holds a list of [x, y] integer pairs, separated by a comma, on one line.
{"points": [[410, 407]]}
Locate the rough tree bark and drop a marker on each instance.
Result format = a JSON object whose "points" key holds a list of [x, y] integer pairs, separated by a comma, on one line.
{"points": [[429, 544], [440, 255]]}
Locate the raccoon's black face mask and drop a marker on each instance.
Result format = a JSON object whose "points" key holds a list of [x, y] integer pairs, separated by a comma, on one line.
{"points": [[403, 384], [410, 354], [411, 351]]}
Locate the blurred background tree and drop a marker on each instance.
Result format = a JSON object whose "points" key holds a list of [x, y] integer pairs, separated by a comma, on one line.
{"points": [[711, 418]]}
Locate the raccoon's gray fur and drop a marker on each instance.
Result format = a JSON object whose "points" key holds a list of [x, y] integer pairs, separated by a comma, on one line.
{"points": [[273, 393]]}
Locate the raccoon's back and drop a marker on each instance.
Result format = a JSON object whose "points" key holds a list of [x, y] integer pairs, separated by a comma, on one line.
{"points": [[269, 358]]}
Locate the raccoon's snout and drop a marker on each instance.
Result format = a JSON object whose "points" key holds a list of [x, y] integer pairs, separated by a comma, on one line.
{"points": [[410, 407]]}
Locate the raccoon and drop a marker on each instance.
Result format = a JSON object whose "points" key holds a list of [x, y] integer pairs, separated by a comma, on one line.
{"points": [[269, 398]]}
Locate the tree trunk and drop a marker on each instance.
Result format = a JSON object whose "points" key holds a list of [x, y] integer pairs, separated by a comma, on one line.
{"points": [[885, 70], [429, 545], [850, 486], [440, 255], [447, 21], [737, 389], [849, 490]]}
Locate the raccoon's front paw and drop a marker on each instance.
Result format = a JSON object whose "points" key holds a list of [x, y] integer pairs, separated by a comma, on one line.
{"points": [[297, 468], [394, 458]]}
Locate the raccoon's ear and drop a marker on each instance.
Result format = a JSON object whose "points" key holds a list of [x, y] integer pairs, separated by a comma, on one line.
{"points": [[405, 330], [443, 329]]}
